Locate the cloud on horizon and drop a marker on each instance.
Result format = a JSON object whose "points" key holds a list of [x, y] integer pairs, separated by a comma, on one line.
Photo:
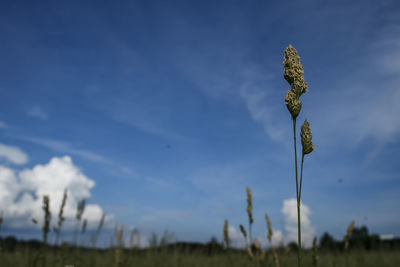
{"points": [[21, 192], [289, 211]]}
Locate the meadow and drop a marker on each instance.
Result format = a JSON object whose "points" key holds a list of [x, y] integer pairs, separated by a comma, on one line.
{"points": [[181, 257], [358, 248]]}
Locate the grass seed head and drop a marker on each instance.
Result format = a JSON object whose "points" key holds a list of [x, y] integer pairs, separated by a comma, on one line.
{"points": [[80, 209], [306, 138], [293, 73], [61, 217], [101, 223], [84, 225], [350, 229], [227, 241], [47, 217], [292, 103], [269, 225], [244, 233], [250, 205], [120, 235]]}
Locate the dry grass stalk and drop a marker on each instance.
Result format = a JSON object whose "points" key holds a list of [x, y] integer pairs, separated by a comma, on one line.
{"points": [[79, 212], [350, 229], [248, 248], [250, 212], [84, 225], [120, 235], [80, 209], [61, 217], [244, 233], [120, 245], [269, 237], [226, 238], [260, 254], [1, 221], [314, 252], [97, 233], [134, 238], [47, 217]]}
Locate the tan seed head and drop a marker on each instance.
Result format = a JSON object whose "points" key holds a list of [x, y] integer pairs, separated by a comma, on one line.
{"points": [[293, 73], [269, 225], [250, 205], [227, 241], [306, 138], [244, 233], [292, 103]]}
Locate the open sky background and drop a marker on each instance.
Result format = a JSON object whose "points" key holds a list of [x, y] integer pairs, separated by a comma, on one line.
{"points": [[160, 113]]}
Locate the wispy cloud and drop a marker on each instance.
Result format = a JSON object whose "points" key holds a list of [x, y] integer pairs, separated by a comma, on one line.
{"points": [[67, 148], [362, 107], [13, 154], [264, 103], [149, 114], [37, 112], [3, 125]]}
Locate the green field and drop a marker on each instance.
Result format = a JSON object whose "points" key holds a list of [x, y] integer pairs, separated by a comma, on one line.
{"points": [[89, 258]]}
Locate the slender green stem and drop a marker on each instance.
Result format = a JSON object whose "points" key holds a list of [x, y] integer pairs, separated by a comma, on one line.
{"points": [[297, 195], [301, 175]]}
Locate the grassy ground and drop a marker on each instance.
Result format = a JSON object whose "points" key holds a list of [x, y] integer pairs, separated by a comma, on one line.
{"points": [[78, 258]]}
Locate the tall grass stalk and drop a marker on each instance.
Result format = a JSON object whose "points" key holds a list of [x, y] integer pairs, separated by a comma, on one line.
{"points": [[225, 236], [250, 212], [348, 235], [79, 212], [293, 74], [61, 217], [120, 246], [1, 221], [46, 227], [269, 237], [98, 230], [314, 252], [47, 218]]}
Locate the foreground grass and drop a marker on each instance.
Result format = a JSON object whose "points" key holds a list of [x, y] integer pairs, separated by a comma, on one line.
{"points": [[77, 258]]}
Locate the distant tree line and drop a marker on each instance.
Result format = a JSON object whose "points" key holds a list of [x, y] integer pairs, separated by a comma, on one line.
{"points": [[359, 239]]}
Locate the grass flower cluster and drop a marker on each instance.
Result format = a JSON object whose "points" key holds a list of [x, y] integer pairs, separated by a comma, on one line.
{"points": [[293, 74]]}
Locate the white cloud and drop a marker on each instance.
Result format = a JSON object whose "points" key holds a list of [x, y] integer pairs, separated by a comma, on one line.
{"points": [[37, 112], [135, 239], [21, 192], [387, 237], [13, 154], [277, 238], [289, 211], [236, 237]]}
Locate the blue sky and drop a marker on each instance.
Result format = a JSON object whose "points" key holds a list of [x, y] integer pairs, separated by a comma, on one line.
{"points": [[172, 108]]}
